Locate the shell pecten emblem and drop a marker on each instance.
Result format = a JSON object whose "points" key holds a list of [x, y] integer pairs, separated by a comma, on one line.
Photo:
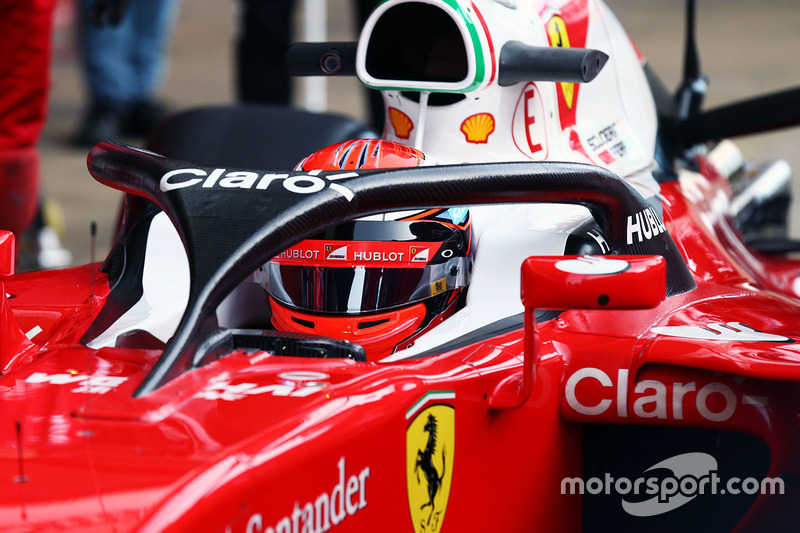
{"points": [[401, 123], [430, 448], [477, 128]]}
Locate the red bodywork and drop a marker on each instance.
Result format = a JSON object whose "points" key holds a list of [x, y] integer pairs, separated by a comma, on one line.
{"points": [[257, 442]]}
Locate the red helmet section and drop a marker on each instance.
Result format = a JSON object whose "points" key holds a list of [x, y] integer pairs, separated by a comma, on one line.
{"points": [[379, 283], [363, 154], [377, 333]]}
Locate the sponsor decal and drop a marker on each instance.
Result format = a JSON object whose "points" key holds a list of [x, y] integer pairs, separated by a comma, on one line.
{"points": [[714, 401], [299, 253], [458, 214], [335, 253], [612, 144], [419, 255], [567, 29], [384, 257], [220, 179], [477, 128], [608, 144], [401, 123], [323, 512], [374, 254], [292, 384], [438, 286], [85, 384], [644, 225], [691, 474], [528, 125], [557, 31], [731, 331], [430, 449], [592, 265]]}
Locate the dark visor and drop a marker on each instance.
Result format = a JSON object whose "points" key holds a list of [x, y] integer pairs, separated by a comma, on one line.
{"points": [[361, 289]]}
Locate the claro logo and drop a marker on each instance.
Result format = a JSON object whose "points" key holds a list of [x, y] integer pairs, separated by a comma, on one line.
{"points": [[715, 402], [242, 179]]}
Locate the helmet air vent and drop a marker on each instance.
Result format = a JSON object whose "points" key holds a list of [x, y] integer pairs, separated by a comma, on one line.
{"points": [[372, 323]]}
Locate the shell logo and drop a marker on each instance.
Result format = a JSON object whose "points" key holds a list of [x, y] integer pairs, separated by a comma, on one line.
{"points": [[477, 128], [401, 123]]}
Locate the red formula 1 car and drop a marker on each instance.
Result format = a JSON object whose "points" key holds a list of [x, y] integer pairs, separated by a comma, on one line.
{"points": [[544, 300]]}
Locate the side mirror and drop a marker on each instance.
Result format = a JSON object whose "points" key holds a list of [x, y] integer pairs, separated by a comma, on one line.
{"points": [[594, 282], [12, 339], [578, 282], [7, 254]]}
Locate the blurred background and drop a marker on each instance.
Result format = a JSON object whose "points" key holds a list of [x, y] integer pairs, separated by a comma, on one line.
{"points": [[747, 47]]}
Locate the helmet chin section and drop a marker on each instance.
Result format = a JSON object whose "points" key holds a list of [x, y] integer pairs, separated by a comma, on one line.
{"points": [[378, 333]]}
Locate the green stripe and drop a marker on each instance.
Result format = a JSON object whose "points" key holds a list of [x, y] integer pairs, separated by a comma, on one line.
{"points": [[480, 63], [425, 399]]}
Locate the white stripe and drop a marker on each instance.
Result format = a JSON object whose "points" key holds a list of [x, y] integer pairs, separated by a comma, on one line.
{"points": [[755, 400], [427, 398], [33, 332]]}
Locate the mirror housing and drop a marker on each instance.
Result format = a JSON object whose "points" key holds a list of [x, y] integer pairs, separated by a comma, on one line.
{"points": [[593, 282], [7, 254], [13, 342], [577, 282]]}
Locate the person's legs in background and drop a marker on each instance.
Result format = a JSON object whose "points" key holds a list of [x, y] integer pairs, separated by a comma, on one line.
{"points": [[123, 67], [24, 81], [154, 21], [108, 76]]}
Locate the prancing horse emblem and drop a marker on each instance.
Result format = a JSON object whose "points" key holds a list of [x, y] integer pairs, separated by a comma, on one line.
{"points": [[425, 462], [430, 443]]}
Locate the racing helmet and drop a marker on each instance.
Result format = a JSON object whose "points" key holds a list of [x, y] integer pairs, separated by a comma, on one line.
{"points": [[378, 281]]}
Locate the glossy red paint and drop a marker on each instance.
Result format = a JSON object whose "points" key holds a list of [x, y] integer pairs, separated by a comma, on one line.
{"points": [[244, 434], [7, 253], [377, 333], [587, 282], [256, 442]]}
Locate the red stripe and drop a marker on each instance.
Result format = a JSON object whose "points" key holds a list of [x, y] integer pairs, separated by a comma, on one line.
{"points": [[488, 38]]}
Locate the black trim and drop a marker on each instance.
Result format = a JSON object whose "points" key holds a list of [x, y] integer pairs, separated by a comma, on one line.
{"points": [[520, 62], [230, 229], [282, 343], [489, 331], [619, 451], [125, 264], [581, 242]]}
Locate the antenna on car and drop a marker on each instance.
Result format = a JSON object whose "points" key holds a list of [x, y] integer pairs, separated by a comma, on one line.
{"points": [[759, 114], [20, 477], [694, 85]]}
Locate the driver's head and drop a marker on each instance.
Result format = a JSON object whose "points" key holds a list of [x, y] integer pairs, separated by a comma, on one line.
{"points": [[378, 281]]}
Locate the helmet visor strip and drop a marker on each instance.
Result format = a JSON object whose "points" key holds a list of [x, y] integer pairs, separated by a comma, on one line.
{"points": [[362, 289]]}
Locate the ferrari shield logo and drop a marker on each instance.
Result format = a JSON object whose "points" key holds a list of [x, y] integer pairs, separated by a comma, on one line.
{"points": [[430, 447], [337, 254], [557, 31]]}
